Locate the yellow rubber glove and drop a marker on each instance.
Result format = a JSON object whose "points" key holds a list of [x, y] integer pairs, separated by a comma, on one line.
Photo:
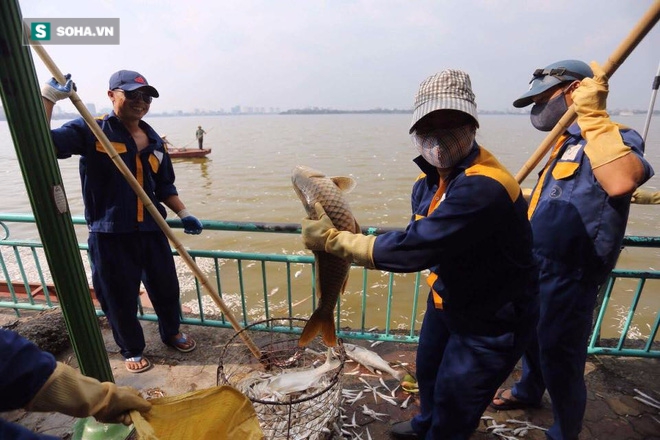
{"points": [[604, 143], [321, 235], [642, 197], [69, 392]]}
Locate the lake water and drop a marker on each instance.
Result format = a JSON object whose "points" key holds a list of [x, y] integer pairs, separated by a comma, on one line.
{"points": [[247, 175]]}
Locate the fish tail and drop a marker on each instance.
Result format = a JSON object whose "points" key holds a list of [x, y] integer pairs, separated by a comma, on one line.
{"points": [[319, 323]]}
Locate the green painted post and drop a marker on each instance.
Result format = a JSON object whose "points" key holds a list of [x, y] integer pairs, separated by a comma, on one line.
{"points": [[23, 107]]}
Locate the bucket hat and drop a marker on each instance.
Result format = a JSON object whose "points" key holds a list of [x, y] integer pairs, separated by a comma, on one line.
{"points": [[447, 90]]}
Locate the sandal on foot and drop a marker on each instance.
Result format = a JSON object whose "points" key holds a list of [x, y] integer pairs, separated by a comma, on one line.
{"points": [[184, 343], [144, 363], [509, 403]]}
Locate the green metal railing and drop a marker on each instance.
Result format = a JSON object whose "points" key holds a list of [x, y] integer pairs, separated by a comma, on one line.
{"points": [[378, 306]]}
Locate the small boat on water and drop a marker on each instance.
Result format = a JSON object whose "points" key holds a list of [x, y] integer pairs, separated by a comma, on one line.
{"points": [[35, 291], [188, 153], [39, 293]]}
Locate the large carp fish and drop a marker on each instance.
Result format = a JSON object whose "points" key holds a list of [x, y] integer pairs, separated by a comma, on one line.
{"points": [[313, 186]]}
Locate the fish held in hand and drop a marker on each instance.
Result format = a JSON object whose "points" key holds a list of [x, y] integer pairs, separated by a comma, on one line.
{"points": [[313, 187]]}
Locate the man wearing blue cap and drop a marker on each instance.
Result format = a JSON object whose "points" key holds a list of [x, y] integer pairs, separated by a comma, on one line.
{"points": [[578, 211], [482, 306], [126, 245]]}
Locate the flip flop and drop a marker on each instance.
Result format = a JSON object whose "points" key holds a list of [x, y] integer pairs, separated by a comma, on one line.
{"points": [[137, 359], [508, 403], [180, 343]]}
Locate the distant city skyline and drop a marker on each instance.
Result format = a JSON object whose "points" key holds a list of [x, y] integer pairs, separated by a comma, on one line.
{"points": [[59, 113], [346, 54]]}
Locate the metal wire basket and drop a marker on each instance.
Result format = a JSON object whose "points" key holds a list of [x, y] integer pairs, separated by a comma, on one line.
{"points": [[309, 414]]}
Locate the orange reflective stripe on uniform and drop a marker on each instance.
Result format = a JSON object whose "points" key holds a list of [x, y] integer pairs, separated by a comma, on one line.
{"points": [[437, 198], [140, 178], [536, 194], [119, 147], [487, 165], [154, 163], [437, 299]]}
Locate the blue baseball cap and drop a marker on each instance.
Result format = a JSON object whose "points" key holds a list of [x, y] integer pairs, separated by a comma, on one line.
{"points": [[551, 75], [129, 80]]}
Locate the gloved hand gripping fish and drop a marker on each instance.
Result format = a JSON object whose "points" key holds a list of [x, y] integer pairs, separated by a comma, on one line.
{"points": [[331, 272]]}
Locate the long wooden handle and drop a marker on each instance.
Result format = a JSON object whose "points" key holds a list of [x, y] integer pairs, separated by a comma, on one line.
{"points": [[611, 65], [123, 169]]}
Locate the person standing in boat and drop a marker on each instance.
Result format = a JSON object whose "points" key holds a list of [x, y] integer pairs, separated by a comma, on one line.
{"points": [[126, 245], [482, 305], [200, 136], [578, 211]]}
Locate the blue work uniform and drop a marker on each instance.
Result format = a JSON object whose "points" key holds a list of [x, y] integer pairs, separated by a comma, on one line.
{"points": [[578, 232], [126, 245], [472, 232], [24, 369]]}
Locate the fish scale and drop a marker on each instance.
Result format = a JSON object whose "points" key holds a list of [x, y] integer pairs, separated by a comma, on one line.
{"points": [[313, 186]]}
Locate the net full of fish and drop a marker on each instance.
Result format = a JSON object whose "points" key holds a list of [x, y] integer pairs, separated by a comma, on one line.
{"points": [[313, 186], [295, 391], [276, 395]]}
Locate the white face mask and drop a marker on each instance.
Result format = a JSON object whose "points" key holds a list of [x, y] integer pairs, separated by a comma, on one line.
{"points": [[445, 147]]}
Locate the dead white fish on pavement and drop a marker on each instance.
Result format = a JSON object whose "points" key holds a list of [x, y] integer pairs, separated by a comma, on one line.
{"points": [[371, 360], [356, 398], [382, 382], [291, 382], [388, 399], [373, 414], [527, 425]]}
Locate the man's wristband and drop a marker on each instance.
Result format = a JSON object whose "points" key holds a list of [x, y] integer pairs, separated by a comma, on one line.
{"points": [[183, 213]]}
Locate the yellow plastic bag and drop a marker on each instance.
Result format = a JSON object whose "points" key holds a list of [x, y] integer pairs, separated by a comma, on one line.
{"points": [[217, 413]]}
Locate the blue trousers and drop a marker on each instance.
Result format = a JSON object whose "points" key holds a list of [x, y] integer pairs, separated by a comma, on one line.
{"points": [[119, 263], [13, 431], [557, 356], [458, 374]]}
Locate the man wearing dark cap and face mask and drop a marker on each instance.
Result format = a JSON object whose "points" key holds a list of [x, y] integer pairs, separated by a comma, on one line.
{"points": [[578, 211], [126, 245], [469, 227]]}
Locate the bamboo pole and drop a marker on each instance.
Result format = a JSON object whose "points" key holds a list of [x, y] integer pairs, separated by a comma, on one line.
{"points": [[615, 60], [123, 169], [43, 182]]}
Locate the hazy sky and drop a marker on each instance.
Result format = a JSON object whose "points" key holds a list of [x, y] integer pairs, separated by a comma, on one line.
{"points": [[346, 54]]}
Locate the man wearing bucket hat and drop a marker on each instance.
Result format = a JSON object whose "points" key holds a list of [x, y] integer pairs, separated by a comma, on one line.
{"points": [[126, 245], [578, 211], [481, 307]]}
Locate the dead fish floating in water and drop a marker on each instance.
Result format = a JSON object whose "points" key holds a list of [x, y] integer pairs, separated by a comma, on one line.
{"points": [[371, 360], [313, 186]]}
